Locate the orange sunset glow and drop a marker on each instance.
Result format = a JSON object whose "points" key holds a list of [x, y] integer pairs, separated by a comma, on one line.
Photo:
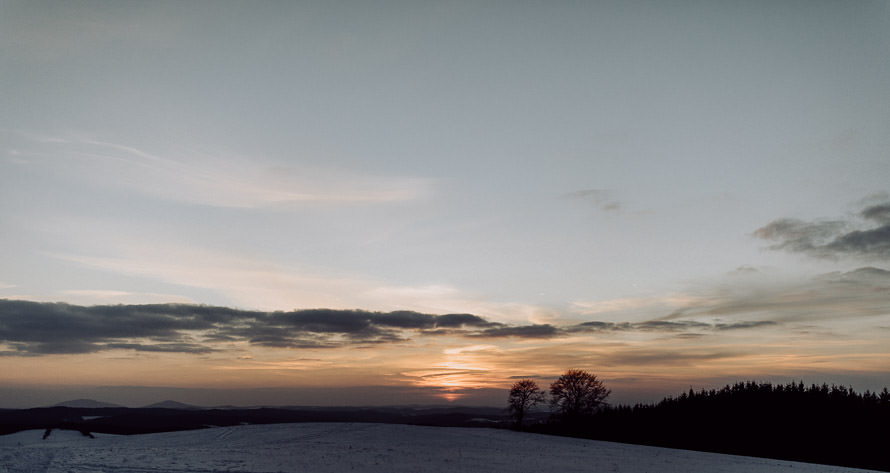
{"points": [[318, 204]]}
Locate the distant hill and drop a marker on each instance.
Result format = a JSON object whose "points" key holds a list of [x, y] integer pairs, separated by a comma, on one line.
{"points": [[127, 421], [168, 404], [86, 404]]}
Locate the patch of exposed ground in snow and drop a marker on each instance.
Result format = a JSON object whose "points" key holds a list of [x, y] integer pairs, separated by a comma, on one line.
{"points": [[359, 447]]}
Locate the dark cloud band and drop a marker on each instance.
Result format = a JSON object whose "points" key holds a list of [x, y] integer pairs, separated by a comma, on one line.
{"points": [[34, 328], [835, 238]]}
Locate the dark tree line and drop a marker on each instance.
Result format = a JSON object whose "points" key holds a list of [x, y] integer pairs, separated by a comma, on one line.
{"points": [[816, 423]]}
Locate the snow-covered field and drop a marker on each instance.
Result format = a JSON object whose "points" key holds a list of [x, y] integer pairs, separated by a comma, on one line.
{"points": [[358, 447]]}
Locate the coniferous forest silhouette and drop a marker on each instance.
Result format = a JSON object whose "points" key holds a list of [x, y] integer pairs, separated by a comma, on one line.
{"points": [[816, 423]]}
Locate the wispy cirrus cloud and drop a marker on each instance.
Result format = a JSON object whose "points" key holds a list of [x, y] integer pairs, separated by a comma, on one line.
{"points": [[247, 279], [839, 295], [845, 303], [220, 180], [119, 297]]}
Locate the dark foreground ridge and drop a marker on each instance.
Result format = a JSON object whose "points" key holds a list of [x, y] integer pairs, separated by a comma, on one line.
{"points": [[129, 421]]}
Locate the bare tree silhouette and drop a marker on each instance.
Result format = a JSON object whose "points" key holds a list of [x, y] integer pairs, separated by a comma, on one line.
{"points": [[577, 393], [524, 395]]}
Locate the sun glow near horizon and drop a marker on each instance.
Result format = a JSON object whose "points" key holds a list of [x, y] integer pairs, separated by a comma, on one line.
{"points": [[346, 203]]}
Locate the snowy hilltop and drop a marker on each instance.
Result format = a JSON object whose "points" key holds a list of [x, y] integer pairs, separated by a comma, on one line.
{"points": [[338, 447]]}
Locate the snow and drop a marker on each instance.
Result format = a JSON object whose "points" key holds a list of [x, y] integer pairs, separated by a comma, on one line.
{"points": [[338, 447]]}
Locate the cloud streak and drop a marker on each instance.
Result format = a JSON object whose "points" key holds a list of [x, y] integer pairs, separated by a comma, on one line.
{"points": [[866, 237], [838, 296], [665, 326], [219, 181], [34, 328]]}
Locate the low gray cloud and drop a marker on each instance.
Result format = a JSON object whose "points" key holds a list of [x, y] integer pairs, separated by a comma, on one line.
{"points": [[159, 347], [35, 328], [460, 320], [523, 331], [321, 328], [595, 326], [745, 325], [50, 328], [868, 236], [57, 328], [670, 326]]}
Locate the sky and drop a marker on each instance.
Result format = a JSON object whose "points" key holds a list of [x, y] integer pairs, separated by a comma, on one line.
{"points": [[416, 202]]}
